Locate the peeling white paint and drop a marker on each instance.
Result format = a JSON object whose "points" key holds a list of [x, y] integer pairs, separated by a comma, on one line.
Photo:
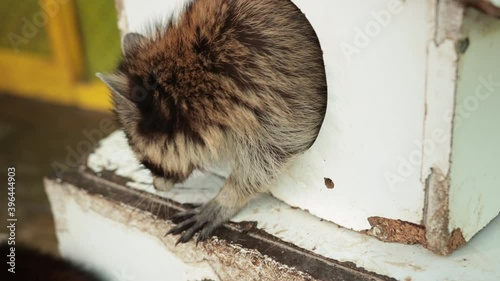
{"points": [[440, 100]]}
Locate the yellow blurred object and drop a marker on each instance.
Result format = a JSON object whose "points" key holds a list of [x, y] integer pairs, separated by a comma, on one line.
{"points": [[60, 76]]}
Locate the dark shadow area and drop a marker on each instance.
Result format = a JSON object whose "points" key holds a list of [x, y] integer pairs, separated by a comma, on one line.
{"points": [[33, 136]]}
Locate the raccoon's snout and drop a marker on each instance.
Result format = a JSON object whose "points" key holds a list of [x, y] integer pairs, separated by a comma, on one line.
{"points": [[162, 184]]}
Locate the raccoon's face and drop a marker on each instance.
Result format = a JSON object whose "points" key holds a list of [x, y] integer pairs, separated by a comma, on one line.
{"points": [[149, 115]]}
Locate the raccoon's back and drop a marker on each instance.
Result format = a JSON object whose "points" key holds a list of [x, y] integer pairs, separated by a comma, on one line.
{"points": [[266, 48], [259, 43], [248, 67]]}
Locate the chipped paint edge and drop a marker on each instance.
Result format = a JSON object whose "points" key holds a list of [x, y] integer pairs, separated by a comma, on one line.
{"points": [[442, 69]]}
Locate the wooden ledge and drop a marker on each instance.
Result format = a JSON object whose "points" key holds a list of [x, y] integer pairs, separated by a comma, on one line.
{"points": [[235, 243]]}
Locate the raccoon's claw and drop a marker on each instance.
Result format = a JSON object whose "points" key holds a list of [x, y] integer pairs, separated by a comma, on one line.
{"points": [[180, 216], [204, 219]]}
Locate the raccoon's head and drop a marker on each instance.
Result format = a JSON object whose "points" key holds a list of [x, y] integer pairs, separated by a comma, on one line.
{"points": [[157, 129]]}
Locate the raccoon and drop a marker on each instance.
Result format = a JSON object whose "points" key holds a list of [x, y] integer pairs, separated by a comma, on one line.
{"points": [[229, 81]]}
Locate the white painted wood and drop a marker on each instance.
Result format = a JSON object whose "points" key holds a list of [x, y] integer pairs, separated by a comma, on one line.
{"points": [[475, 171], [89, 232], [374, 120], [440, 100], [120, 252]]}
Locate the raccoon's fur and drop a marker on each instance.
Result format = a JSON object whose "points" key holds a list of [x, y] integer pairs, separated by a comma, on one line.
{"points": [[238, 81]]}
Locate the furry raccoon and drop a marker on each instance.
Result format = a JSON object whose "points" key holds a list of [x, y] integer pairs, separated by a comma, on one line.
{"points": [[230, 81], [32, 265]]}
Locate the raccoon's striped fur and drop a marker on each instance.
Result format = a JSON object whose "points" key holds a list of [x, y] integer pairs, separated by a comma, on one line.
{"points": [[238, 81]]}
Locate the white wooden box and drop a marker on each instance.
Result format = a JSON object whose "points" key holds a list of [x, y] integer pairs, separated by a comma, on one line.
{"points": [[410, 139]]}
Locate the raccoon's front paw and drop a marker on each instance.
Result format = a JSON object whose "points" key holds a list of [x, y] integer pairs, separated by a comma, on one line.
{"points": [[204, 219], [162, 184]]}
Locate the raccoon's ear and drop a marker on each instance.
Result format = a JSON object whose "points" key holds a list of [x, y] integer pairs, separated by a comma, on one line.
{"points": [[116, 82], [130, 41]]}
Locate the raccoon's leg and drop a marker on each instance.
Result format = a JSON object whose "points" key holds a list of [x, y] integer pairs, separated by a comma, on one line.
{"points": [[229, 201], [162, 184]]}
